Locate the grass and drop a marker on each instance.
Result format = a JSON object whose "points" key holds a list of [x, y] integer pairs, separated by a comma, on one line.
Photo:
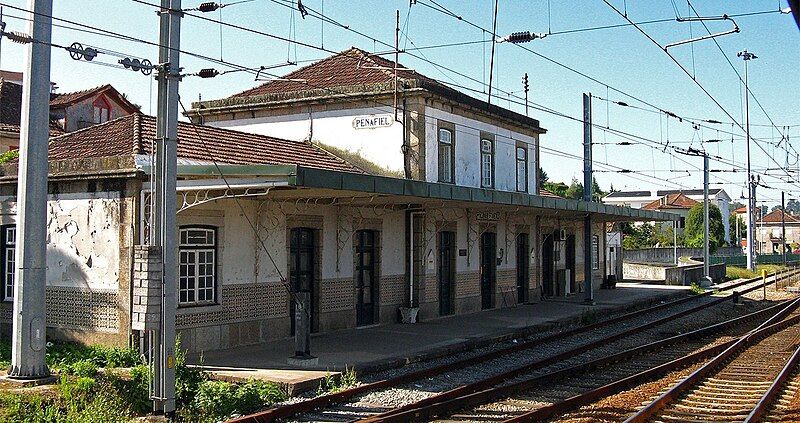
{"points": [[86, 394], [330, 384], [356, 159], [732, 272], [696, 289]]}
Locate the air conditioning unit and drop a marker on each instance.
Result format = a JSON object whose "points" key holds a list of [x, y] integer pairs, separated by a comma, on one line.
{"points": [[562, 235]]}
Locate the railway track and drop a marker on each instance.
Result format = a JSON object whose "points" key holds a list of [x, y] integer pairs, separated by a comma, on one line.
{"points": [[736, 385], [369, 401]]}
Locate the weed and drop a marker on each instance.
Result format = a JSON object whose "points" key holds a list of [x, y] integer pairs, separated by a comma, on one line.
{"points": [[696, 289], [332, 384], [588, 317]]}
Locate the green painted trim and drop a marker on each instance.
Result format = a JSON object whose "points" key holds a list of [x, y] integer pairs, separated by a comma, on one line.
{"points": [[321, 178]]}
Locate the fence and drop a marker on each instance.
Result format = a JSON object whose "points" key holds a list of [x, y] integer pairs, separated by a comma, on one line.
{"points": [[741, 260]]}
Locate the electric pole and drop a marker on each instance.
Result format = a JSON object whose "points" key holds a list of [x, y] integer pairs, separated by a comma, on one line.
{"points": [[783, 225], [28, 338], [706, 238], [587, 196], [525, 88], [747, 56], [164, 225]]}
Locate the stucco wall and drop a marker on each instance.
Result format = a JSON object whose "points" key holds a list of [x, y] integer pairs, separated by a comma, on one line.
{"points": [[467, 153], [381, 145]]}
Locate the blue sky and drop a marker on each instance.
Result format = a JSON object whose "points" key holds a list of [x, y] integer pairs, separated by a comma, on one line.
{"points": [[620, 57]]}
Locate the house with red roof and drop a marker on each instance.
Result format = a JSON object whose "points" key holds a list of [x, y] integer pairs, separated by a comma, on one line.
{"points": [[676, 203], [770, 232], [68, 111]]}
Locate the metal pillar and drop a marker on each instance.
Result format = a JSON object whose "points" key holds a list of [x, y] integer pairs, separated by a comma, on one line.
{"points": [[747, 56], [587, 196], [783, 226], [28, 338], [706, 238], [164, 228]]}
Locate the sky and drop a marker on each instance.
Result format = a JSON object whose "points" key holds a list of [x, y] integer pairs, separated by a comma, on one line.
{"points": [[615, 63]]}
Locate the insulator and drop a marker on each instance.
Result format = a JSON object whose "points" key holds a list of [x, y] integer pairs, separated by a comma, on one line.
{"points": [[207, 73], [519, 37], [89, 54], [19, 37], [209, 6]]}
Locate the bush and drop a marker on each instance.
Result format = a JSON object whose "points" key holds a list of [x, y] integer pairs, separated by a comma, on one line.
{"points": [[84, 368], [331, 384], [696, 289], [9, 156], [219, 400]]}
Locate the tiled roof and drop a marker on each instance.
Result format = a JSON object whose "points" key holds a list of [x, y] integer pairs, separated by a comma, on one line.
{"points": [[741, 210], [349, 68], [545, 193], [11, 75], [10, 102], [67, 99], [775, 217], [671, 201], [133, 134], [626, 194], [711, 191]]}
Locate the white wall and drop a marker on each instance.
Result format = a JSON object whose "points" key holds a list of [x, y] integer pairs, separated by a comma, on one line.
{"points": [[83, 238], [380, 145], [467, 142]]}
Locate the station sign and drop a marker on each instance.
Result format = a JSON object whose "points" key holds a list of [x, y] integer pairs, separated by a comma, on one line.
{"points": [[488, 216], [373, 121]]}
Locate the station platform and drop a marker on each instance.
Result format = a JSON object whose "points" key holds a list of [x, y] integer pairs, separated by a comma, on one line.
{"points": [[386, 346]]}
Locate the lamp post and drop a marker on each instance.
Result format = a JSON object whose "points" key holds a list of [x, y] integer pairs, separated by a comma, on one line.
{"points": [[748, 56]]}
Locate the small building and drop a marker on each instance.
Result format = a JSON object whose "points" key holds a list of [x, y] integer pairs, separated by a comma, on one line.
{"points": [[638, 199], [262, 218], [68, 111], [769, 232], [678, 204]]}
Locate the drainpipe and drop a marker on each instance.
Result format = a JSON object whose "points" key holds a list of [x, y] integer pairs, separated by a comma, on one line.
{"points": [[411, 257], [406, 148]]}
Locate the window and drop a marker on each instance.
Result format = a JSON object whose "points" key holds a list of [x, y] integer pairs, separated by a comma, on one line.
{"points": [[197, 266], [446, 165], [595, 252], [522, 169], [8, 244], [487, 163], [102, 110]]}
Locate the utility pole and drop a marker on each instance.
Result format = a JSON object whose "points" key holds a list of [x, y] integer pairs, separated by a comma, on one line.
{"points": [[747, 56], [525, 88], [706, 238], [783, 225], [587, 196], [164, 224], [28, 338]]}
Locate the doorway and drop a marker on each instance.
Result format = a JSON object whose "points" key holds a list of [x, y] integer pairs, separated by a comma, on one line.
{"points": [[365, 277], [523, 267], [302, 271], [570, 263], [488, 268], [547, 264], [447, 272]]}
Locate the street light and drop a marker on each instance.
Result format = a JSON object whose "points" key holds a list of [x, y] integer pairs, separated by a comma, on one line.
{"points": [[748, 56]]}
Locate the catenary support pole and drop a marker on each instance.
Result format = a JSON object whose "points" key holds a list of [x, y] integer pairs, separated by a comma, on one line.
{"points": [[747, 56], [28, 338], [706, 238], [165, 228], [587, 196], [783, 225]]}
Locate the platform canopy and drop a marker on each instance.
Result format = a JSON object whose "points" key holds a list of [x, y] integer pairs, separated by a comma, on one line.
{"points": [[322, 186]]}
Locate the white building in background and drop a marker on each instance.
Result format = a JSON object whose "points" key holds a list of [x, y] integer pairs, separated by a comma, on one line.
{"points": [[638, 199]]}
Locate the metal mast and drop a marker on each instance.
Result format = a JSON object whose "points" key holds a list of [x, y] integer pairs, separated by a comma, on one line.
{"points": [[28, 338], [164, 225], [747, 56]]}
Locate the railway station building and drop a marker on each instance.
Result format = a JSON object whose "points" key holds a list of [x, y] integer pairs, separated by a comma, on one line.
{"points": [[285, 190]]}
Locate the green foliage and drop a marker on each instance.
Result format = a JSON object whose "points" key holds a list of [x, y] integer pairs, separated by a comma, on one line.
{"points": [[588, 317], [77, 399], [187, 379], [66, 354], [543, 177], [637, 236], [331, 384], [733, 272], [557, 188], [9, 156], [696, 289], [82, 368], [218, 400], [693, 233]]}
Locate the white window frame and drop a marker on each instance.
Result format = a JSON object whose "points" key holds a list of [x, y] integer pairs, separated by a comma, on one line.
{"points": [[197, 266], [447, 168], [522, 182], [9, 245], [487, 163]]}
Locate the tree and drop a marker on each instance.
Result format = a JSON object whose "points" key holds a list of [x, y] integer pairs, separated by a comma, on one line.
{"points": [[575, 190], [693, 233], [637, 236], [543, 177], [733, 220]]}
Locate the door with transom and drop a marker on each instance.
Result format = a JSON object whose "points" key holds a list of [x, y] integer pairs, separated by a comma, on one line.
{"points": [[365, 277]]}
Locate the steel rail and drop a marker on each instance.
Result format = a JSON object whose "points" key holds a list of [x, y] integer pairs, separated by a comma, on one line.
{"points": [[283, 411], [701, 373], [487, 389], [772, 393], [615, 387]]}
